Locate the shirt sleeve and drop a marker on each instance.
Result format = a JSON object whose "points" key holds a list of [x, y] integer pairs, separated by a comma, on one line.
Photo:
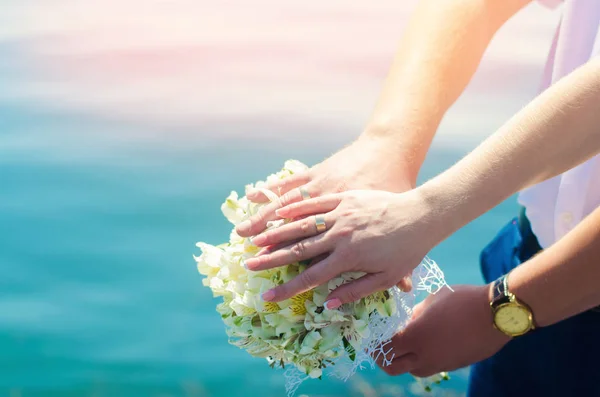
{"points": [[550, 3]]}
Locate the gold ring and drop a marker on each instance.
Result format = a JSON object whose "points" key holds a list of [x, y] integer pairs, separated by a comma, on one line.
{"points": [[304, 193], [320, 223]]}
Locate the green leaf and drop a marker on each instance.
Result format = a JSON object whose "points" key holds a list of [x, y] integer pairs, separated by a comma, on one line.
{"points": [[349, 348]]}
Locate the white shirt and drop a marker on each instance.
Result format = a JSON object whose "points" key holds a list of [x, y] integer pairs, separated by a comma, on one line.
{"points": [[557, 205]]}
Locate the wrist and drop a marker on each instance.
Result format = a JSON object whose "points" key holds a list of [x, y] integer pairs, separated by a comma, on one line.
{"points": [[389, 159], [405, 138], [444, 207], [525, 290]]}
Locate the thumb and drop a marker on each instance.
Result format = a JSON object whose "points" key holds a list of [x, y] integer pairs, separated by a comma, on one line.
{"points": [[418, 310], [405, 284]]}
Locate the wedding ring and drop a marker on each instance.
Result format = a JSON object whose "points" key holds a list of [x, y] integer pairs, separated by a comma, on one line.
{"points": [[304, 193], [320, 223]]}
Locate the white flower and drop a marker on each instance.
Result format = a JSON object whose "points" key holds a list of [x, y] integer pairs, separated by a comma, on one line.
{"points": [[299, 330], [234, 209]]}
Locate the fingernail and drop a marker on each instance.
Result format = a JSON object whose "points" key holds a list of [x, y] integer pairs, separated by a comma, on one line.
{"points": [[281, 212], [258, 240], [263, 251], [333, 304], [268, 296], [248, 264], [245, 265], [244, 226]]}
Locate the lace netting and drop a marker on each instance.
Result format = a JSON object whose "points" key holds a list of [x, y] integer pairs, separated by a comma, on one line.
{"points": [[426, 277]]}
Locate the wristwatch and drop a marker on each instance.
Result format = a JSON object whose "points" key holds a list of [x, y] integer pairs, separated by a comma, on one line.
{"points": [[512, 317]]}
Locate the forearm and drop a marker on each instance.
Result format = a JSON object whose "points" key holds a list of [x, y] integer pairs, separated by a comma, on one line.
{"points": [[440, 51], [554, 133], [562, 281]]}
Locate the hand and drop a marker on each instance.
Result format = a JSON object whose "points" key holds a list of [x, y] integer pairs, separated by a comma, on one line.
{"points": [[368, 163], [449, 330], [383, 234]]}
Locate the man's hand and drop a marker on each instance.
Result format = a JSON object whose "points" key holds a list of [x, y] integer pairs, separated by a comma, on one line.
{"points": [[368, 163], [449, 330]]}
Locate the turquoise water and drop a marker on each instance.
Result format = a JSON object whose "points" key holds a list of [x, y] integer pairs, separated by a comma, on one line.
{"points": [[99, 294]]}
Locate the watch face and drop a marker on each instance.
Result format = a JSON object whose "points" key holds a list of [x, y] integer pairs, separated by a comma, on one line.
{"points": [[512, 319]]}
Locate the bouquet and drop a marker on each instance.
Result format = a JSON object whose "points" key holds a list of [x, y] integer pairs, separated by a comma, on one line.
{"points": [[299, 333]]}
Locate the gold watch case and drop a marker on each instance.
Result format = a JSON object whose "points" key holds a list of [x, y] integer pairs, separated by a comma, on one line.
{"points": [[513, 318]]}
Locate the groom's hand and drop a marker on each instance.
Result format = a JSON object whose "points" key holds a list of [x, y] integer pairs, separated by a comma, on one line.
{"points": [[449, 330], [369, 163]]}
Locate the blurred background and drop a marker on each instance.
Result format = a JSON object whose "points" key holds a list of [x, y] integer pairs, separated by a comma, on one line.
{"points": [[124, 125]]}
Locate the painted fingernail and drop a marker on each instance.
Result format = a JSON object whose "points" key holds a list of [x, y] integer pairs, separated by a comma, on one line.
{"points": [[268, 296], [263, 251], [333, 304], [245, 265], [244, 226], [259, 240], [250, 264]]}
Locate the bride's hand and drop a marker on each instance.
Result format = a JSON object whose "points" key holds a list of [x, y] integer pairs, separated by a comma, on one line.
{"points": [[383, 234]]}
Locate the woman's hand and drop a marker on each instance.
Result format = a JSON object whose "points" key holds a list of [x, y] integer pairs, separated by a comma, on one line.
{"points": [[383, 234], [368, 163]]}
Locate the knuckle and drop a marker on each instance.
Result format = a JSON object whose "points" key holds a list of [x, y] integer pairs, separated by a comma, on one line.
{"points": [[321, 201], [285, 199], [268, 238], [341, 186], [347, 212], [344, 231], [307, 280], [352, 295], [305, 226], [299, 249], [259, 216]]}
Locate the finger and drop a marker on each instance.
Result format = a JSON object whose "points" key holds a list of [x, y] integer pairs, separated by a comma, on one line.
{"points": [[401, 365], [355, 290], [275, 247], [301, 250], [279, 187], [294, 230], [258, 222], [317, 205], [405, 284], [318, 259], [312, 277], [417, 310], [401, 343]]}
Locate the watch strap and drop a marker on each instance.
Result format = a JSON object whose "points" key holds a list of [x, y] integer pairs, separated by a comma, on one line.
{"points": [[500, 294]]}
